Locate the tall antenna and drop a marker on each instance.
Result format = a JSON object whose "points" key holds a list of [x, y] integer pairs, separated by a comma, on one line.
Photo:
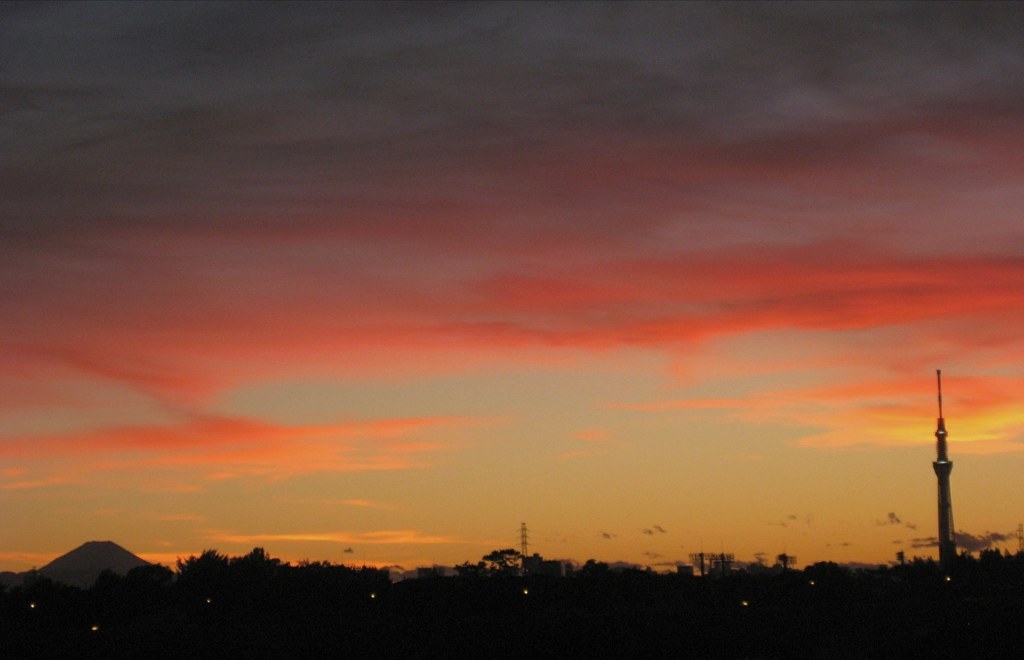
{"points": [[940, 433], [943, 466], [523, 539], [1020, 539]]}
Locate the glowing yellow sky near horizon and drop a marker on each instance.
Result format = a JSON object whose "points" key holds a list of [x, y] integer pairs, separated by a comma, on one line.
{"points": [[591, 453]]}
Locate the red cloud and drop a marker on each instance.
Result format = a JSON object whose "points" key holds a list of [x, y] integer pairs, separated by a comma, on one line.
{"points": [[223, 447], [206, 332]]}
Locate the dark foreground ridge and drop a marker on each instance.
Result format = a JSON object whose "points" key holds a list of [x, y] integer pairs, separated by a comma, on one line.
{"points": [[255, 606]]}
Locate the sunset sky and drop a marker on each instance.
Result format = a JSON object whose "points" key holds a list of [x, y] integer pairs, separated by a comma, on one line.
{"points": [[376, 283]]}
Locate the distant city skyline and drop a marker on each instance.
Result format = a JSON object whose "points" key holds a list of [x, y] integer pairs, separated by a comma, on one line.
{"points": [[375, 283]]}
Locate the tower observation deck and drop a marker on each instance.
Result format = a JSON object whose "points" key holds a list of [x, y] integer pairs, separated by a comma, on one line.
{"points": [[943, 467]]}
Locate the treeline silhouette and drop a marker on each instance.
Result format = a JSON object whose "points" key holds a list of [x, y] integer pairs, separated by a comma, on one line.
{"points": [[256, 606]]}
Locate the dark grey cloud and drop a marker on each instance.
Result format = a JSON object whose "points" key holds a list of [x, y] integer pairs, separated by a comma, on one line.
{"points": [[967, 541], [894, 519], [449, 140], [976, 542], [924, 542], [274, 109], [791, 518], [891, 519]]}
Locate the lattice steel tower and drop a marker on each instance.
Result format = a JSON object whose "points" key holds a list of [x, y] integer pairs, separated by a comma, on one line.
{"points": [[943, 466]]}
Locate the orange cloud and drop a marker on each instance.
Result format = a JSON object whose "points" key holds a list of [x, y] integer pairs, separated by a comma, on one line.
{"points": [[688, 404], [590, 435], [26, 484], [225, 447], [588, 442], [366, 504], [24, 560], [180, 517], [388, 537], [894, 412]]}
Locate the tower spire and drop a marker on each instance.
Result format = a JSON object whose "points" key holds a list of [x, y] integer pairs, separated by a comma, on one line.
{"points": [[940, 432], [943, 467]]}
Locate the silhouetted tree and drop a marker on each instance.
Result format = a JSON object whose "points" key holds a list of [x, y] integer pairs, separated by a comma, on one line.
{"points": [[155, 575], [262, 607], [209, 565], [503, 562], [255, 571], [593, 568], [471, 570], [203, 580]]}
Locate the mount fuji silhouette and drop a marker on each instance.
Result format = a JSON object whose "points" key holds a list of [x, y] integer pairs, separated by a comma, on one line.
{"points": [[81, 566]]}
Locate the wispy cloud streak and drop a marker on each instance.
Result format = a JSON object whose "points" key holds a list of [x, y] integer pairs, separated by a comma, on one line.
{"points": [[387, 537], [223, 447]]}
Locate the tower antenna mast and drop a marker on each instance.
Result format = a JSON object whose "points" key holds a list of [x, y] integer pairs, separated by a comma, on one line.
{"points": [[943, 466]]}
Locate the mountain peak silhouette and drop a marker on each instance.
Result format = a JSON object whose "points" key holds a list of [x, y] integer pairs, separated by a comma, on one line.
{"points": [[83, 565]]}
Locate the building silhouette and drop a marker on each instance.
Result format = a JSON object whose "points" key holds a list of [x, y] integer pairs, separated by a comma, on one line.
{"points": [[943, 467], [537, 565], [424, 572]]}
